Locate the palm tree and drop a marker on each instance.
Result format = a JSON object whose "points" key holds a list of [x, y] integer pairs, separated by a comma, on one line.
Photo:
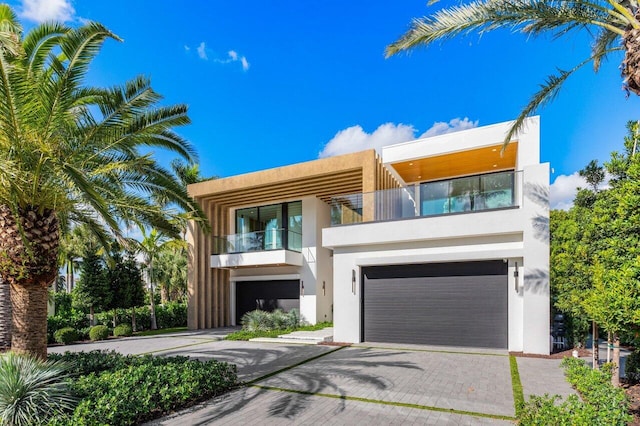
{"points": [[612, 25], [71, 154], [152, 245]]}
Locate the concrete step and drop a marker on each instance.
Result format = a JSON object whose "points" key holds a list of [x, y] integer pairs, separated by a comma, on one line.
{"points": [[283, 340], [301, 337]]}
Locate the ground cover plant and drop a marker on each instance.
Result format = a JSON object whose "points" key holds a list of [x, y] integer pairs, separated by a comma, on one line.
{"points": [[126, 390], [602, 403]]}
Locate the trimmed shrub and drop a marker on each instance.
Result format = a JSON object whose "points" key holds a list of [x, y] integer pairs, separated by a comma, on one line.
{"points": [[99, 332], [603, 404], [110, 386], [65, 335], [123, 330], [632, 367]]}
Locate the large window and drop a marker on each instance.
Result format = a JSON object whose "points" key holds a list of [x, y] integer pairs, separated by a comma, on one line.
{"points": [[481, 192], [270, 227]]}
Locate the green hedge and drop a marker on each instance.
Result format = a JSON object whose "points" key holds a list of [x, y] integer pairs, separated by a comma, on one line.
{"points": [[126, 390], [168, 315], [75, 319], [603, 404]]}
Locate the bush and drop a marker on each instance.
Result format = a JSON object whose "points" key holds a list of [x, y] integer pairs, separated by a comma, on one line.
{"points": [[65, 335], [99, 332], [32, 391], [169, 315], [110, 386], [75, 319], [266, 321], [603, 404], [123, 330], [632, 367]]}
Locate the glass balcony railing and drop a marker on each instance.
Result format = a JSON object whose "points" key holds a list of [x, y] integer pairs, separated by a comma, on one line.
{"points": [[465, 194], [272, 239]]}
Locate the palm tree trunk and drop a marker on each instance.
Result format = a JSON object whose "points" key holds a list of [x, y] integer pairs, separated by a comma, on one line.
{"points": [[29, 263], [29, 304], [154, 324], [133, 319], [5, 315]]}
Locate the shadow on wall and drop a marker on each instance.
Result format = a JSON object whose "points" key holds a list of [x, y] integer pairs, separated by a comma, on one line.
{"points": [[539, 194], [321, 376], [537, 281]]}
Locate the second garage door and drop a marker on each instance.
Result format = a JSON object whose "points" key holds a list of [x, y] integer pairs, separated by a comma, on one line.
{"points": [[266, 296], [451, 304]]}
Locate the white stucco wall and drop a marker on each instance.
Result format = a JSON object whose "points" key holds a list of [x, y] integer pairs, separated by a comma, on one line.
{"points": [[519, 235]]}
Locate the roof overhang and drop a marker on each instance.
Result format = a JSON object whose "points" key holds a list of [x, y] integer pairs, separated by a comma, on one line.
{"points": [[463, 163]]}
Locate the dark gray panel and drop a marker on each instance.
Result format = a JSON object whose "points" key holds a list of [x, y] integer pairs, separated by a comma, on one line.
{"points": [[447, 310], [267, 296]]}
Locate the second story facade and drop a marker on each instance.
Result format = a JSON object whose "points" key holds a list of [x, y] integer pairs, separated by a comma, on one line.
{"points": [[439, 241]]}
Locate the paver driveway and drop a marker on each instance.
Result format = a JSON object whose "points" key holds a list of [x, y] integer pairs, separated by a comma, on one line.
{"points": [[363, 384], [371, 385]]}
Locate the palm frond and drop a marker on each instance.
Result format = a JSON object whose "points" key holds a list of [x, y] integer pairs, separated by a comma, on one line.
{"points": [[526, 16], [548, 91]]}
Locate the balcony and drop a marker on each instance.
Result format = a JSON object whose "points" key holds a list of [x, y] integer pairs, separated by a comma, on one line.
{"points": [[273, 247], [445, 197]]}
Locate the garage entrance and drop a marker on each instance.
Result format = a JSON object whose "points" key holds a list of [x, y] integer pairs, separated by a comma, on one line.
{"points": [[449, 304], [266, 296]]}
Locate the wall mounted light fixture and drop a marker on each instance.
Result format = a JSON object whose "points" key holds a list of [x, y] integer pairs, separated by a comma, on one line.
{"points": [[353, 281], [301, 288], [515, 278], [324, 289]]}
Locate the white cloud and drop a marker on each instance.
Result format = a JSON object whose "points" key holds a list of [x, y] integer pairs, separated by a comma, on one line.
{"points": [[245, 63], [232, 56], [48, 10], [455, 125], [202, 53], [565, 188], [353, 139]]}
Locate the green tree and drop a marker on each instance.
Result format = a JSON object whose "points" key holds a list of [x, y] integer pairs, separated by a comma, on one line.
{"points": [[611, 25], [595, 249], [93, 291], [70, 154], [171, 273], [126, 285], [152, 245]]}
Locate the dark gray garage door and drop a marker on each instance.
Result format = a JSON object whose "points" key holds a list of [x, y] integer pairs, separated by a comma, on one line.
{"points": [[267, 296], [452, 304]]}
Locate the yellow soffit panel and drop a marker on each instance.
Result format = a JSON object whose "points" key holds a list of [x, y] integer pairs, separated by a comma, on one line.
{"points": [[474, 161]]}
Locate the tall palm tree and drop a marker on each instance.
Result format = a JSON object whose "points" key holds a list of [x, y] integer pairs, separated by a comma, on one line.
{"points": [[71, 154], [612, 25], [152, 245]]}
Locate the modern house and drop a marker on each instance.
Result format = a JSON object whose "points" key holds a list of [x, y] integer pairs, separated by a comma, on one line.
{"points": [[441, 241]]}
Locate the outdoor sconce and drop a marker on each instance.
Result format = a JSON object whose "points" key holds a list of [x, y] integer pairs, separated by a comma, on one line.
{"points": [[353, 281], [515, 277], [324, 290], [301, 288]]}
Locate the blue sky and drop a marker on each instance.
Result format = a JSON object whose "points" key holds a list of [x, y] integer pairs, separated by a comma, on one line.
{"points": [[272, 83]]}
